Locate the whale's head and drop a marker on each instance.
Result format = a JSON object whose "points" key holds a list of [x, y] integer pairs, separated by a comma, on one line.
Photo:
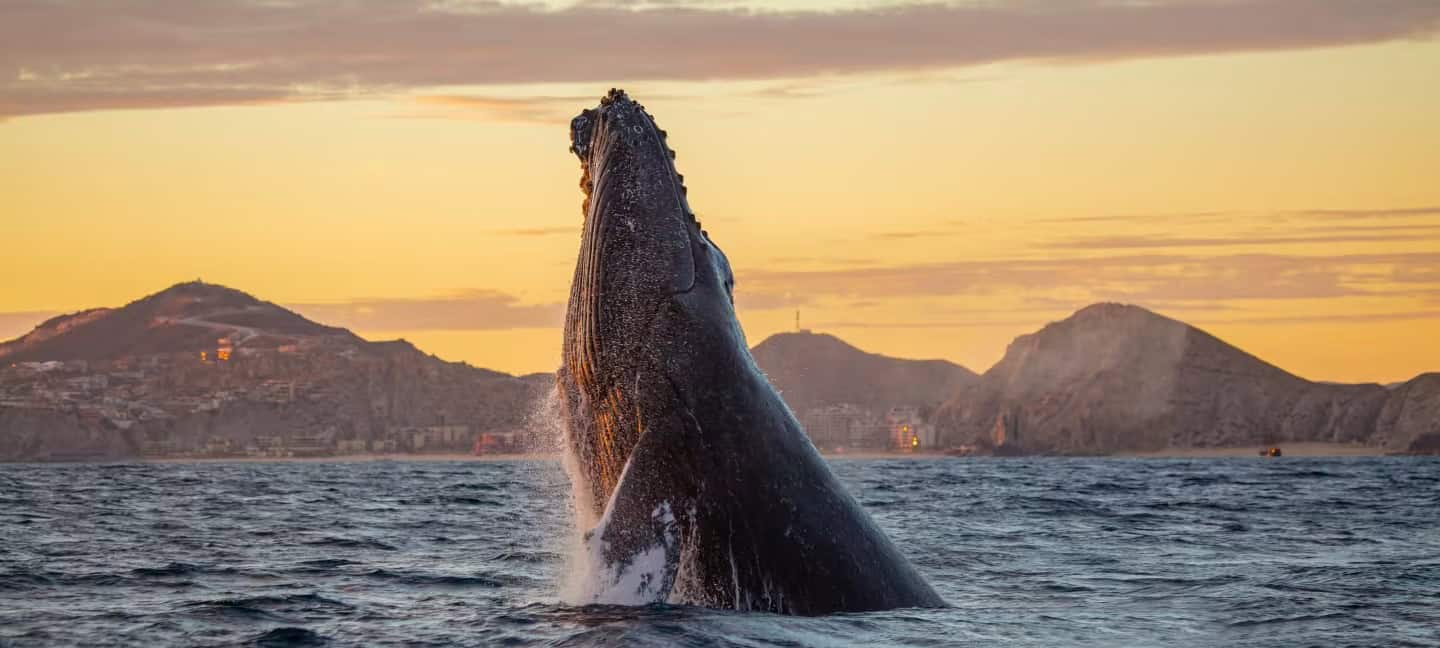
{"points": [[646, 274]]}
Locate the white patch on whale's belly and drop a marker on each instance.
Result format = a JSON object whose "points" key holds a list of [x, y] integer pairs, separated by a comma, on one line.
{"points": [[644, 577], [640, 580]]}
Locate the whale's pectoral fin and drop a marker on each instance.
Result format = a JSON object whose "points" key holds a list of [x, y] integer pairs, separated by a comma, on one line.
{"points": [[635, 549]]}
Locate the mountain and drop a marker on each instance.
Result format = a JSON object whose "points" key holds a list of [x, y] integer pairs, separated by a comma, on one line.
{"points": [[1410, 420], [186, 317], [1118, 377], [204, 369], [814, 370]]}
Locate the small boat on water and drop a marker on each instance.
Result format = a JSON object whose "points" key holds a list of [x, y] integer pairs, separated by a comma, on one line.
{"points": [[1273, 451]]}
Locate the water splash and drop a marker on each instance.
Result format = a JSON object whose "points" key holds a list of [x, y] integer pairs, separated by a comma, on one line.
{"points": [[551, 437], [642, 579]]}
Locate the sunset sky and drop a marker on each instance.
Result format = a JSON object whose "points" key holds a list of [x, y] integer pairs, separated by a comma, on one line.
{"points": [[921, 180]]}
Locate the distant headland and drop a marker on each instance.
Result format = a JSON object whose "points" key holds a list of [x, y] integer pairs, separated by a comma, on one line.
{"points": [[204, 371]]}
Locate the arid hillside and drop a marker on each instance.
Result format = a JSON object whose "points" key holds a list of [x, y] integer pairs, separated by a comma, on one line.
{"points": [[1117, 377], [814, 370]]}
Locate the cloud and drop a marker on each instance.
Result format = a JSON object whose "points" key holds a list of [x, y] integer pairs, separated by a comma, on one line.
{"points": [[1267, 229], [16, 101], [769, 301], [1331, 318], [475, 310], [539, 231], [1303, 215], [1126, 277], [540, 110], [1145, 218], [902, 235], [58, 56], [1418, 227], [1130, 242], [849, 262], [1201, 321], [1401, 212]]}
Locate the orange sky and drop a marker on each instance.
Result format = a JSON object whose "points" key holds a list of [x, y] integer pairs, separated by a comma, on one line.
{"points": [[1268, 176]]}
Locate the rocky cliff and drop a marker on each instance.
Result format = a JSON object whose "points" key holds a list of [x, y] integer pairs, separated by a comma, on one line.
{"points": [[1116, 377], [28, 434], [1410, 419]]}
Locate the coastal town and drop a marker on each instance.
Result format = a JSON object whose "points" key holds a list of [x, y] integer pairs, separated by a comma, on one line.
{"points": [[170, 405], [317, 397], [202, 371]]}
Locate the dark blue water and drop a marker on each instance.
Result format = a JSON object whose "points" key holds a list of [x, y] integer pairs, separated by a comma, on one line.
{"points": [[1034, 552]]}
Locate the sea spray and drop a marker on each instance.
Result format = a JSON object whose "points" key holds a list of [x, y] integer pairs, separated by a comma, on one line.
{"points": [[547, 437], [551, 437], [586, 578]]}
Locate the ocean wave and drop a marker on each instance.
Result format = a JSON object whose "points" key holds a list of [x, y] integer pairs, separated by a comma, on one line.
{"points": [[1035, 552]]}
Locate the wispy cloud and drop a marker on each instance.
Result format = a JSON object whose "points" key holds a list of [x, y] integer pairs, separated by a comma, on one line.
{"points": [[539, 231], [541, 110], [1131, 242], [1332, 318], [61, 56], [1289, 216], [476, 310], [1204, 321], [1401, 212], [1267, 229], [1141, 218], [1141, 278], [902, 235], [1409, 227]]}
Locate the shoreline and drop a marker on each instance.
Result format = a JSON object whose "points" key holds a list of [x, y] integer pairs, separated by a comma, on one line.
{"points": [[1222, 452], [1288, 450], [357, 458]]}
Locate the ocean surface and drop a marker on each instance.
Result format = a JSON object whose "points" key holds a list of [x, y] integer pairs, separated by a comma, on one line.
{"points": [[1028, 552]]}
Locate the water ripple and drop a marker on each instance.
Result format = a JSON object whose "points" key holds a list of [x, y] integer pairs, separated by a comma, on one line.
{"points": [[1029, 552]]}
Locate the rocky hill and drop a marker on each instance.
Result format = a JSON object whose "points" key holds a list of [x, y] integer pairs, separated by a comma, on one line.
{"points": [[1117, 377], [199, 368], [814, 370], [187, 317]]}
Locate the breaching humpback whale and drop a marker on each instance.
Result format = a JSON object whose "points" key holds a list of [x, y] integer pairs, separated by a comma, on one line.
{"points": [[703, 487]]}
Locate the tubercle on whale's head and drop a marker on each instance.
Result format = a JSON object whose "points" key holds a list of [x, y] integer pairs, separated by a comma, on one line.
{"points": [[641, 244], [620, 127]]}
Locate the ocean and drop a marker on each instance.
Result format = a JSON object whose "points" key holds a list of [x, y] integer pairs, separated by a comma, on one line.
{"points": [[1028, 552]]}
